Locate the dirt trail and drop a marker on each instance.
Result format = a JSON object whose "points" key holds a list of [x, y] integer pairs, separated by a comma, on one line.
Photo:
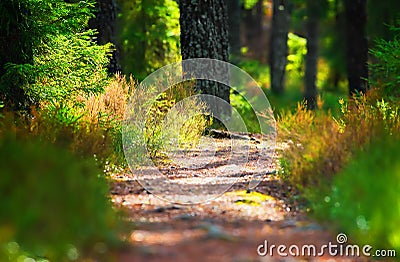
{"points": [[227, 228]]}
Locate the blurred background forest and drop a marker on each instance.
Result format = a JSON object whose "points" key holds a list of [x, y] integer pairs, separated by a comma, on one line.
{"points": [[330, 69]]}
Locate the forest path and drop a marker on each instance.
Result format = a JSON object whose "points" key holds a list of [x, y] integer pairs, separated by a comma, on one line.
{"points": [[228, 228]]}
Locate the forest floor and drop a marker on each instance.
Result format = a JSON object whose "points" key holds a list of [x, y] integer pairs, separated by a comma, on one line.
{"points": [[230, 227]]}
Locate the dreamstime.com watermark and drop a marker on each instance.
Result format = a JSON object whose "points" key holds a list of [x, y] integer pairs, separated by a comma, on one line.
{"points": [[338, 249]]}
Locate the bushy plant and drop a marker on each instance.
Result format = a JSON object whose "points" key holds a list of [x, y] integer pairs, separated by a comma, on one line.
{"points": [[109, 106], [364, 199], [64, 66], [61, 127], [321, 145], [169, 123], [64, 60], [311, 140], [54, 206], [91, 127], [385, 70], [173, 120], [106, 112]]}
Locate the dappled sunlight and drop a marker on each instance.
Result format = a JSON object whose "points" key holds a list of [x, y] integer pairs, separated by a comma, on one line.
{"points": [[165, 237]]}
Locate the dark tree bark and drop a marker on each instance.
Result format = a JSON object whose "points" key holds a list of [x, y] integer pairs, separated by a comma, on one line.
{"points": [[357, 45], [16, 48], [105, 21], [204, 34], [253, 30], [278, 46], [311, 60], [234, 19]]}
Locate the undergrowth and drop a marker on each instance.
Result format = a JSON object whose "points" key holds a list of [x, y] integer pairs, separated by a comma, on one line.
{"points": [[43, 214], [172, 121], [343, 165]]}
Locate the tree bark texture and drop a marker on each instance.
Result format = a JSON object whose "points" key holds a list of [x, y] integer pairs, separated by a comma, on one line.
{"points": [[204, 34], [234, 19], [311, 60], [105, 21], [15, 47], [279, 46], [357, 45]]}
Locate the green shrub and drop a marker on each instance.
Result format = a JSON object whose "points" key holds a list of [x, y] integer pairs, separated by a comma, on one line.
{"points": [[321, 145], [348, 169], [313, 154], [385, 70], [64, 66], [168, 123], [364, 199], [53, 203], [171, 121], [63, 127], [91, 128], [61, 58]]}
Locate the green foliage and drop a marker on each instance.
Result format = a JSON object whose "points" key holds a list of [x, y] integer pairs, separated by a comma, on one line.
{"points": [[332, 44], [48, 18], [385, 71], [65, 59], [297, 51], [364, 199], [249, 4], [173, 121], [149, 35], [245, 109], [307, 136], [333, 48], [347, 168], [154, 131], [260, 73], [91, 129], [43, 212], [64, 67], [257, 70], [321, 145]]}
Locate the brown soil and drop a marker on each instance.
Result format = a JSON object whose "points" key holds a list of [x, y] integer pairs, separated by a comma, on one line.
{"points": [[228, 228]]}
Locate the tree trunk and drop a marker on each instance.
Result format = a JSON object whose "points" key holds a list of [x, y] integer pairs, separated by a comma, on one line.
{"points": [[234, 19], [311, 62], [15, 47], [357, 45], [105, 22], [278, 45], [204, 34], [253, 30]]}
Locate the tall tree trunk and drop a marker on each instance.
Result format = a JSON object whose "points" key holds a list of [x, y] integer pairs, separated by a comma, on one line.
{"points": [[15, 47], [234, 19], [311, 62], [357, 45], [204, 34], [105, 21], [253, 30], [278, 45]]}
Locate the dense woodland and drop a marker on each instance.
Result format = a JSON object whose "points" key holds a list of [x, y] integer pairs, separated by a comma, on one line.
{"points": [[330, 69]]}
